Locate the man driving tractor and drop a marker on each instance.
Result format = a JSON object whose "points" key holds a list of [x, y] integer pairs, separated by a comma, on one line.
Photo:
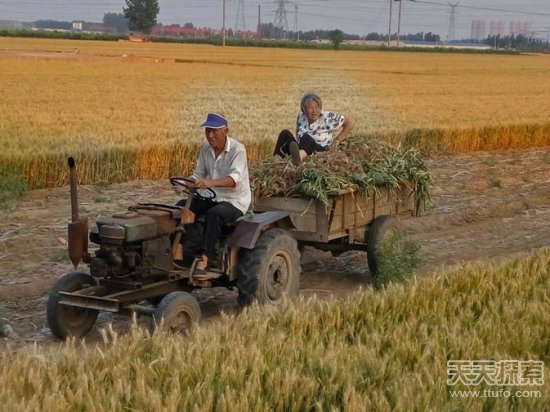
{"points": [[221, 167]]}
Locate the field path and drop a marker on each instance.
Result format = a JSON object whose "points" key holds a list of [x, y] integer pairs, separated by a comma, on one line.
{"points": [[486, 206]]}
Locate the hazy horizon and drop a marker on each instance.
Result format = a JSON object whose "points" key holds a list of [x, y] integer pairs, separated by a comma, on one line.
{"points": [[352, 16]]}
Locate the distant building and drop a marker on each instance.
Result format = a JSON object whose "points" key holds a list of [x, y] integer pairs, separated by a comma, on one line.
{"points": [[478, 31], [497, 28], [187, 31], [92, 27], [177, 30], [522, 28], [245, 33]]}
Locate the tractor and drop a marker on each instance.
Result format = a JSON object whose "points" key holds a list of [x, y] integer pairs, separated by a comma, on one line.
{"points": [[134, 267]]}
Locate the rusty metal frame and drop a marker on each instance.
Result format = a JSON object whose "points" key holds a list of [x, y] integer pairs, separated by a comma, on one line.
{"points": [[95, 297]]}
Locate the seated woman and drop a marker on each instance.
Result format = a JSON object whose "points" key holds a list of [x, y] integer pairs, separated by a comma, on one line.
{"points": [[315, 131]]}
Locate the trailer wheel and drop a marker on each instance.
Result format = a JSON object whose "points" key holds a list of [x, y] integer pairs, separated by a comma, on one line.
{"points": [[383, 229], [177, 312], [271, 271], [63, 320]]}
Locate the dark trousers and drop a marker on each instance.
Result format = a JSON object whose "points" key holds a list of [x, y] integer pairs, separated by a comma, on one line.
{"points": [[306, 143], [216, 215]]}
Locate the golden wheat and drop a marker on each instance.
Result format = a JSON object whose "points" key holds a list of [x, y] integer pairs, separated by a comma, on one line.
{"points": [[132, 105], [371, 351]]}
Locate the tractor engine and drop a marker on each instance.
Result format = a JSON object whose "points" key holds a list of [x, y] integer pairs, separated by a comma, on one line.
{"points": [[135, 244]]}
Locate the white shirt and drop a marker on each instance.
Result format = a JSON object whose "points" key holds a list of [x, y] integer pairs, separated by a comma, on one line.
{"points": [[321, 130], [231, 162]]}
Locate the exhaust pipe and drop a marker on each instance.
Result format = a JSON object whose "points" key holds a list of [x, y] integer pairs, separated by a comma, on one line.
{"points": [[78, 227]]}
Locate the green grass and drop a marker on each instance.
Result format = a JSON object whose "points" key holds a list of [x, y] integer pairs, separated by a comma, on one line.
{"points": [[12, 187], [495, 182], [490, 162], [2, 326], [372, 351], [61, 255], [398, 259]]}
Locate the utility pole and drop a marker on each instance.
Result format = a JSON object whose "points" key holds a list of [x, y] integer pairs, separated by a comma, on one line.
{"points": [[223, 25], [296, 22], [259, 29], [399, 23], [389, 29]]}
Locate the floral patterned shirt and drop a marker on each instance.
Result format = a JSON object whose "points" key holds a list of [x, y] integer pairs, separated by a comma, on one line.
{"points": [[321, 130]]}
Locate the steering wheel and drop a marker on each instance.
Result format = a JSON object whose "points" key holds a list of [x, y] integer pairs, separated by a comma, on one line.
{"points": [[204, 194]]}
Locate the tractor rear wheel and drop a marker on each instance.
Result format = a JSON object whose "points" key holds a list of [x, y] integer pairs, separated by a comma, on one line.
{"points": [[270, 272], [177, 312], [64, 320]]}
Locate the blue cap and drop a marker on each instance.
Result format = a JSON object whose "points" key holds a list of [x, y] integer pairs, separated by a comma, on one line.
{"points": [[215, 121]]}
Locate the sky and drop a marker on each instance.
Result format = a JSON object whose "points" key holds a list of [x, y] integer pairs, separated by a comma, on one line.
{"points": [[351, 16]]}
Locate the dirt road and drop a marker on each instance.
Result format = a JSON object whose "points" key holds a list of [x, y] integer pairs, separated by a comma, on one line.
{"points": [[485, 206]]}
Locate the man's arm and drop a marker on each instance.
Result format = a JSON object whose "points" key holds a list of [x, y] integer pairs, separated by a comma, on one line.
{"points": [[238, 165], [221, 182]]}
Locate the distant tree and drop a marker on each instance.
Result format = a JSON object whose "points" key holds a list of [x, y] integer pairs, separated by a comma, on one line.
{"points": [[141, 15], [268, 30], [374, 36], [432, 37], [336, 37], [519, 42], [117, 21], [189, 25]]}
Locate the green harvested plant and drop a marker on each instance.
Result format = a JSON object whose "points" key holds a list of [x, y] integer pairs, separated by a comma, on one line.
{"points": [[366, 164]]}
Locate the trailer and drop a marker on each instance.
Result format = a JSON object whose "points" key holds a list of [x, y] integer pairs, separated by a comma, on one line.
{"points": [[350, 221]]}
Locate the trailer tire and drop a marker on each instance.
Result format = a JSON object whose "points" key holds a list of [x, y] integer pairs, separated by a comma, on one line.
{"points": [[270, 272], [177, 312], [381, 229], [63, 320]]}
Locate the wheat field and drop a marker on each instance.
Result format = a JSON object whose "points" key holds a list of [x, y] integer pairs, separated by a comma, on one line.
{"points": [[372, 351], [130, 111]]}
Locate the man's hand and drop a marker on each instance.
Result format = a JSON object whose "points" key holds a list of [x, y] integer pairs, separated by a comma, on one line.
{"points": [[177, 189], [203, 183]]}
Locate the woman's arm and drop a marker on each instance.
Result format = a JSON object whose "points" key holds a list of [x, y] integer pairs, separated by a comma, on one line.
{"points": [[347, 126]]}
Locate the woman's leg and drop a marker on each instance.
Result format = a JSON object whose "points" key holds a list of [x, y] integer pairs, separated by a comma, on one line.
{"points": [[281, 147], [308, 145]]}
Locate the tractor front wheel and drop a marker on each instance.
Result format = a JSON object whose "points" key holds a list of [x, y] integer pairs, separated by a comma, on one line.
{"points": [[64, 320], [177, 312]]}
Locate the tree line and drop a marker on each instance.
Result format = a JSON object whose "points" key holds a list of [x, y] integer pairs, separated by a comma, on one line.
{"points": [[141, 16]]}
